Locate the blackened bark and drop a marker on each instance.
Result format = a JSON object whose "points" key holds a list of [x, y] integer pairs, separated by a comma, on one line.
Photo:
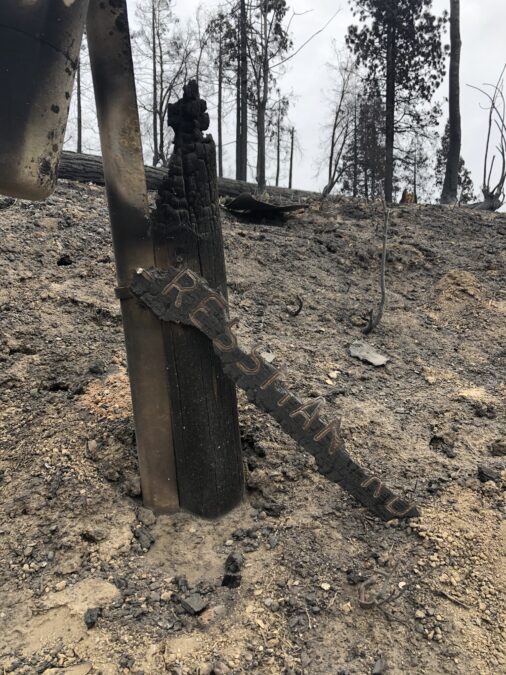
{"points": [[203, 400], [243, 168], [220, 108], [262, 98], [390, 113], [451, 179], [238, 101], [355, 153], [290, 172], [155, 84], [89, 169], [278, 146], [79, 110], [261, 180]]}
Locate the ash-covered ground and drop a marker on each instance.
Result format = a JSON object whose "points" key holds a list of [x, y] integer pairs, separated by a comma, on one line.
{"points": [[93, 583]]}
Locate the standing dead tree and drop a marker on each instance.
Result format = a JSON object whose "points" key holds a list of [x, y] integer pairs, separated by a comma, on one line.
{"points": [[343, 110], [493, 191], [451, 179], [166, 54]]}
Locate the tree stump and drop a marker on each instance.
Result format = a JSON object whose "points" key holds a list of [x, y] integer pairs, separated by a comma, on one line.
{"points": [[187, 233]]}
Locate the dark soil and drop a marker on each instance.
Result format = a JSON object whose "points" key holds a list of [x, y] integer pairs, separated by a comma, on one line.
{"points": [[92, 582]]}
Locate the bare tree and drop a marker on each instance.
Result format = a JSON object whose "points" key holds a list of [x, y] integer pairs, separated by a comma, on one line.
{"points": [[166, 57], [221, 72], [278, 130], [82, 130], [242, 147], [343, 109], [79, 146], [493, 190], [451, 180], [269, 49], [290, 170]]}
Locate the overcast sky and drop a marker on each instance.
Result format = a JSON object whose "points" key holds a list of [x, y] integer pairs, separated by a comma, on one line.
{"points": [[483, 29]]}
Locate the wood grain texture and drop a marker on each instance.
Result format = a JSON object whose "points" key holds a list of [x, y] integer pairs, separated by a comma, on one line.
{"points": [[186, 229]]}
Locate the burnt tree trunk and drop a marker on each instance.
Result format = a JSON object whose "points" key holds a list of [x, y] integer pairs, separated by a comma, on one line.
{"points": [[79, 109], [243, 56], [290, 172], [390, 114], [238, 102], [220, 108], [155, 84], [278, 146], [187, 231], [261, 179], [451, 179], [355, 151]]}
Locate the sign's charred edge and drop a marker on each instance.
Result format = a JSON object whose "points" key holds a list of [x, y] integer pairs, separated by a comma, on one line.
{"points": [[184, 297]]}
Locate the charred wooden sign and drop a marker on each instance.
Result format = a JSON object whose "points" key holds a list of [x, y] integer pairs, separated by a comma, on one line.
{"points": [[181, 296]]}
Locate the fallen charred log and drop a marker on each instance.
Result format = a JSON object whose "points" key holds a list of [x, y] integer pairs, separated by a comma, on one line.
{"points": [[89, 169]]}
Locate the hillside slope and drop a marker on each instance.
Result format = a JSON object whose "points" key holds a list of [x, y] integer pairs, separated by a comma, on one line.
{"points": [[73, 535]]}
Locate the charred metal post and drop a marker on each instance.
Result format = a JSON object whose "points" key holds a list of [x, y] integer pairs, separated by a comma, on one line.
{"points": [[39, 52], [113, 79]]}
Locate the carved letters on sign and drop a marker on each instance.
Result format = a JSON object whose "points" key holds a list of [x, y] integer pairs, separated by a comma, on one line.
{"points": [[182, 296]]}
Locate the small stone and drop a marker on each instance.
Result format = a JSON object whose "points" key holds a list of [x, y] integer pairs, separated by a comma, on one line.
{"points": [[273, 509], [233, 565], [91, 616], [490, 487], [64, 260], [133, 486], [365, 352], [194, 603], [234, 562], [325, 586], [60, 586], [420, 614], [379, 667], [144, 537], [97, 369], [498, 448], [167, 596], [92, 447], [126, 661], [231, 580], [488, 473], [146, 516]]}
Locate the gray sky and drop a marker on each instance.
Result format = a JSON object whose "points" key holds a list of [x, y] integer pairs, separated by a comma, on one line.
{"points": [[483, 26]]}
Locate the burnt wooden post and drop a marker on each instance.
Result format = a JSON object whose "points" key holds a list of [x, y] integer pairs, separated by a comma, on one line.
{"points": [[203, 400]]}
